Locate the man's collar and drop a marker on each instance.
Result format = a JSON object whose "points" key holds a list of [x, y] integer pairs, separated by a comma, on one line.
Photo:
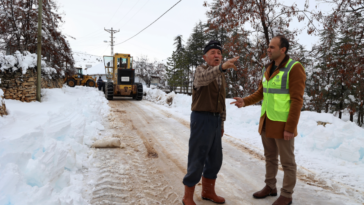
{"points": [[281, 65]]}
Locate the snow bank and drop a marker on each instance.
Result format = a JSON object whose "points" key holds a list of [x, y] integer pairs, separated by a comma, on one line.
{"points": [[44, 146], [334, 152], [158, 96], [23, 62]]}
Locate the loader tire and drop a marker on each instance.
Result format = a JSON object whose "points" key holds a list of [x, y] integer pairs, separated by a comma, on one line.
{"points": [[109, 91], [139, 95], [71, 82], [90, 83]]}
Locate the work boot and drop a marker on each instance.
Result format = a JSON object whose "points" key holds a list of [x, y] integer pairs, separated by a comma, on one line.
{"points": [[208, 191], [266, 191], [283, 201], [188, 197]]}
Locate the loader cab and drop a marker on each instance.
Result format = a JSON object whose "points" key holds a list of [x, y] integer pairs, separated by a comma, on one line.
{"points": [[125, 62], [122, 63], [79, 73]]}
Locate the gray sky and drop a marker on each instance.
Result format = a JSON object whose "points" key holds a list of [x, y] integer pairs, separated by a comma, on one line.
{"points": [[86, 20]]}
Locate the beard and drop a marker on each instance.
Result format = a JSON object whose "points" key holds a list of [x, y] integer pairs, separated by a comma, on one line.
{"points": [[273, 57]]}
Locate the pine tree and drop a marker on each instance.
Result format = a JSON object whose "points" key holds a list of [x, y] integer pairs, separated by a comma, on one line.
{"points": [[172, 73], [194, 50]]}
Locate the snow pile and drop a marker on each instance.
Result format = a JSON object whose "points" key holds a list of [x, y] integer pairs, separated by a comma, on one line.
{"points": [[343, 140], [44, 146], [332, 153], [24, 62], [158, 96]]}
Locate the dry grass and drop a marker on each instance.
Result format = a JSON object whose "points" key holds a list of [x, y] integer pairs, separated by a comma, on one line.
{"points": [[169, 100]]}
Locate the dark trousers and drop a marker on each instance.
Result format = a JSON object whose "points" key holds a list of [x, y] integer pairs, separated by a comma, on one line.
{"points": [[101, 86], [205, 149]]}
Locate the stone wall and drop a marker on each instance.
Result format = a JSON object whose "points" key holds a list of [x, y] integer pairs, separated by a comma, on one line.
{"points": [[23, 87]]}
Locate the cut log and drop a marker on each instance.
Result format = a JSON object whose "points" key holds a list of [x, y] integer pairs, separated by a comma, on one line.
{"points": [[107, 143]]}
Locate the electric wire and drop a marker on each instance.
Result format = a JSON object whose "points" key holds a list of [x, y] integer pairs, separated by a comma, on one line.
{"points": [[127, 12], [105, 49], [135, 14], [149, 24], [98, 31], [115, 11]]}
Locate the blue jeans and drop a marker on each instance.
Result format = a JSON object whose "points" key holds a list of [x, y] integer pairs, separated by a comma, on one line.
{"points": [[205, 149]]}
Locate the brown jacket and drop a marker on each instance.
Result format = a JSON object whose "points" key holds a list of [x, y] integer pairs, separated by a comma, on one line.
{"points": [[209, 98], [212, 81], [297, 79]]}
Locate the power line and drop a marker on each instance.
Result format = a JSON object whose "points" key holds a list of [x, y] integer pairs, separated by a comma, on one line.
{"points": [[135, 14], [92, 33], [149, 24], [116, 11], [127, 12], [98, 31]]}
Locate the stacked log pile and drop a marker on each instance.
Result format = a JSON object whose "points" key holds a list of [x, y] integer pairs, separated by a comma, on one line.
{"points": [[17, 86], [23, 87]]}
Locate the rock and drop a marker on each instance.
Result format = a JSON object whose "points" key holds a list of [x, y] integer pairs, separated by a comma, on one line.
{"points": [[322, 123]]}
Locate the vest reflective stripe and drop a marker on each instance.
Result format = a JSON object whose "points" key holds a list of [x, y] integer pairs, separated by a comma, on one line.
{"points": [[276, 98], [275, 91]]}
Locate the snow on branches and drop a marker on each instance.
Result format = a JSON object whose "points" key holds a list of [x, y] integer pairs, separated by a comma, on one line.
{"points": [[12, 63], [18, 31]]}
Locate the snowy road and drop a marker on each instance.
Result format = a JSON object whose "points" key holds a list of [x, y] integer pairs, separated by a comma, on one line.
{"points": [[150, 167]]}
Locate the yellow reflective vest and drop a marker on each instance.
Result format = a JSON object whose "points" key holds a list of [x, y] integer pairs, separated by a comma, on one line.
{"points": [[276, 97]]}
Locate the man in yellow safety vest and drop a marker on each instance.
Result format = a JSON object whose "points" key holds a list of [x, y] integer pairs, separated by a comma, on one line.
{"points": [[281, 89]]}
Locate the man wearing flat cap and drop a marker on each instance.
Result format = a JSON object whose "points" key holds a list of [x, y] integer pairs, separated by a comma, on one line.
{"points": [[207, 125]]}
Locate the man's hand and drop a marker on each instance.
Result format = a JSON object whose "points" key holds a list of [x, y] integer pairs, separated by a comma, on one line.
{"points": [[288, 135], [230, 63], [222, 132], [239, 102]]}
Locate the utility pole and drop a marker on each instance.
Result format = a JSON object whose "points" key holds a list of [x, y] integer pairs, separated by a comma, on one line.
{"points": [[39, 50], [112, 38]]}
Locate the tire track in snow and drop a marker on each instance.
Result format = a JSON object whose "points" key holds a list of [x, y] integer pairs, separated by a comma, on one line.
{"points": [[129, 175]]}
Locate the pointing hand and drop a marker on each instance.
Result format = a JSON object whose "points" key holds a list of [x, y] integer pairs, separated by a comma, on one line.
{"points": [[230, 63], [239, 102]]}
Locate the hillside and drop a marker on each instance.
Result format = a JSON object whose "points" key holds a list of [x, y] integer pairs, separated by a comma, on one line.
{"points": [[83, 59]]}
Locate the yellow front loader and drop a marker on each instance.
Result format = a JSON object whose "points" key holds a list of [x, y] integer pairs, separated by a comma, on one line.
{"points": [[121, 77], [80, 79]]}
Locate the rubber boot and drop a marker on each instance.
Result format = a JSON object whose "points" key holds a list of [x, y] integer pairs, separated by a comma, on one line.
{"points": [[188, 197], [208, 191]]}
